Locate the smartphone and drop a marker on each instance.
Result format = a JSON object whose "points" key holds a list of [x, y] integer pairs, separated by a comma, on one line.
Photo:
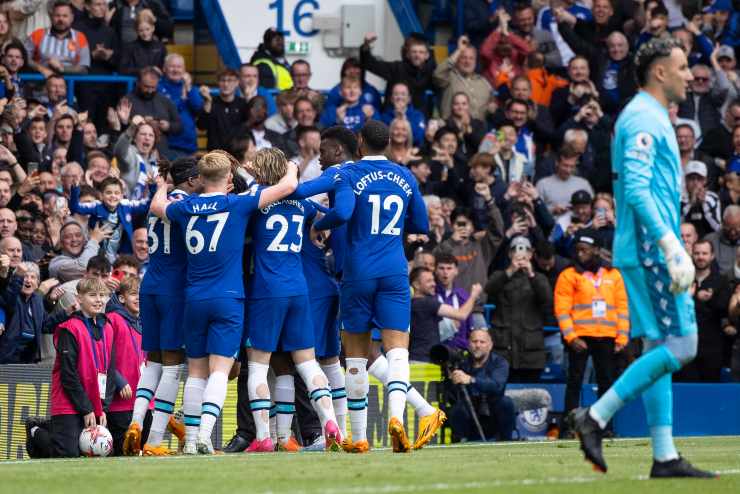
{"points": [[61, 203], [117, 274], [601, 213], [33, 168]]}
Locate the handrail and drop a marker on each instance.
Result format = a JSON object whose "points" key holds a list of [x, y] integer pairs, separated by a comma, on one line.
{"points": [[71, 80]]}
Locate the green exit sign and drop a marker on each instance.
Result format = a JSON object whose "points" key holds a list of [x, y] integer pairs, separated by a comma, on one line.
{"points": [[297, 47]]}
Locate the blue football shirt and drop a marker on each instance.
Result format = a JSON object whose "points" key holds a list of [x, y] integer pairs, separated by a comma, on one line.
{"points": [[214, 227], [277, 240], [165, 273]]}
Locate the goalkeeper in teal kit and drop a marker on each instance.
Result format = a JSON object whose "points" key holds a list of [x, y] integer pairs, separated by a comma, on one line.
{"points": [[656, 269]]}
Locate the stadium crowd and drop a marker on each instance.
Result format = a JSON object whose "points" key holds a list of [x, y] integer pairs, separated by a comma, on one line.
{"points": [[508, 139]]}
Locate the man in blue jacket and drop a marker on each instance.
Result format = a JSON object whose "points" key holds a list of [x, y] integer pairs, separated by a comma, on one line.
{"points": [[485, 374], [177, 85]]}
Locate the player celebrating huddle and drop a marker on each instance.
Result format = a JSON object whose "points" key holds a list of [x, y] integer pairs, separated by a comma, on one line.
{"points": [[214, 224], [279, 313], [379, 200], [161, 303]]}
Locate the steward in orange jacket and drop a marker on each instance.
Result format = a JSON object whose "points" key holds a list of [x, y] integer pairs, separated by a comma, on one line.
{"points": [[591, 308]]}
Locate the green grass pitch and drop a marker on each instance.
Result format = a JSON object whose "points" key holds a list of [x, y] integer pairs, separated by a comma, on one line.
{"points": [[552, 467]]}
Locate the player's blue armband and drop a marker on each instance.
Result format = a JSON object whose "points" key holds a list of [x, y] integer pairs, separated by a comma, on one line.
{"points": [[344, 205]]}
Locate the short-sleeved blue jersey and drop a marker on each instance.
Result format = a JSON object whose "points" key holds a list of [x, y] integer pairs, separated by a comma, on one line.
{"points": [[386, 201], [165, 273], [319, 279], [277, 239], [214, 227]]}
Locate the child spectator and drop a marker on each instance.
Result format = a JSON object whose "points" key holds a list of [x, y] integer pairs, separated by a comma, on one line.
{"points": [[82, 379], [351, 113], [114, 212], [145, 51], [124, 320]]}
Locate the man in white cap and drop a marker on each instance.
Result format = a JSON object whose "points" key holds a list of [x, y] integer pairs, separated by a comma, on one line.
{"points": [[699, 206]]}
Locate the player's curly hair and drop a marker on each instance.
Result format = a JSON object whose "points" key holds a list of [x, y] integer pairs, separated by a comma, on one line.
{"points": [[651, 51], [269, 166], [216, 165]]}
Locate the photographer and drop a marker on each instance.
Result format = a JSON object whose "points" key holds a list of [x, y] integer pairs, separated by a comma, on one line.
{"points": [[485, 374]]}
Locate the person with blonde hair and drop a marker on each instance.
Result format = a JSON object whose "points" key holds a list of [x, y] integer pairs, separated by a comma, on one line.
{"points": [[215, 224]]}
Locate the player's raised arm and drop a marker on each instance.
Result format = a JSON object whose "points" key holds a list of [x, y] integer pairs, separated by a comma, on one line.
{"points": [[160, 201], [285, 186]]}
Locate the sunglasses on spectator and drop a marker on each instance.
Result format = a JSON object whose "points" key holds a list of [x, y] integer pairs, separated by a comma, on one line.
{"points": [[701, 79]]}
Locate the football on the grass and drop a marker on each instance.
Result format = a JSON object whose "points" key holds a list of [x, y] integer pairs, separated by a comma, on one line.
{"points": [[96, 441]]}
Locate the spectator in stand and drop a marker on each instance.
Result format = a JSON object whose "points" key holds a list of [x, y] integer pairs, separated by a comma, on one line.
{"points": [[470, 131], [98, 169], [474, 252], [126, 12], [549, 17], [687, 148], [447, 162], [305, 115], [479, 21], [256, 117], [274, 70], [533, 132], [155, 108], [587, 37], [711, 307], [283, 121], [352, 68], [177, 85], [717, 143], [95, 98], [457, 75], [224, 113], [702, 103], [300, 71], [556, 190], [76, 251], [20, 342], [565, 99], [351, 112], [249, 86], [697, 45], [510, 165], [594, 149], [521, 89], [14, 59], [503, 53], [309, 139], [539, 40], [578, 217], [415, 68], [59, 49], [137, 156], [726, 240], [71, 173], [614, 78], [401, 148], [427, 313], [401, 109], [729, 194], [523, 298], [32, 144], [485, 373], [689, 236], [453, 332], [729, 291], [68, 136], [145, 51], [591, 307], [141, 249], [699, 206]]}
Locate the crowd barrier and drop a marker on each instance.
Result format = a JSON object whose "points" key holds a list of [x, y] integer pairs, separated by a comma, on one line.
{"points": [[24, 392]]}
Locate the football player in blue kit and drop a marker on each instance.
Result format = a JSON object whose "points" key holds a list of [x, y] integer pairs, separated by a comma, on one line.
{"points": [[214, 225], [378, 200], [162, 298], [279, 314]]}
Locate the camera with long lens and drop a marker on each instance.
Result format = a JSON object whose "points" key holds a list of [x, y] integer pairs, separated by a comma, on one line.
{"points": [[447, 357]]}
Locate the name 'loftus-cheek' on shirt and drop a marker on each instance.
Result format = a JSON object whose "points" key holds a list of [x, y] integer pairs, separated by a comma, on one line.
{"points": [[362, 184]]}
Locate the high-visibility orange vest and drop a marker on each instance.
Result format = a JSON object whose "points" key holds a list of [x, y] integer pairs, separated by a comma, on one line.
{"points": [[588, 304]]}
